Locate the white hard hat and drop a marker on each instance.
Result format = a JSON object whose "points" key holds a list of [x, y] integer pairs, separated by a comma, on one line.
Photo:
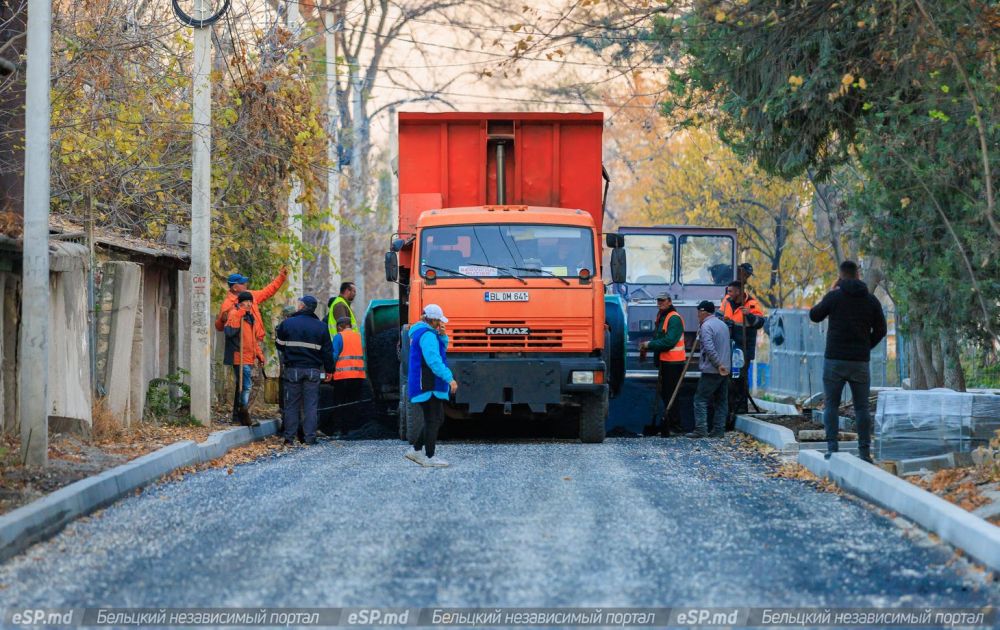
{"points": [[433, 311]]}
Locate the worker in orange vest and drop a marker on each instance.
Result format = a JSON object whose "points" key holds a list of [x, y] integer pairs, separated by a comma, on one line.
{"points": [[238, 283], [744, 316], [668, 343], [348, 371]]}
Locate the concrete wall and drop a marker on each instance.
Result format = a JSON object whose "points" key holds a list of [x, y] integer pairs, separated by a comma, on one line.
{"points": [[141, 334], [69, 341], [10, 313]]}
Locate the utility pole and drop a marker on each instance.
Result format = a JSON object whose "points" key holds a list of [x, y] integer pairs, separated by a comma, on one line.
{"points": [[293, 20], [332, 154], [393, 167], [201, 220], [33, 380]]}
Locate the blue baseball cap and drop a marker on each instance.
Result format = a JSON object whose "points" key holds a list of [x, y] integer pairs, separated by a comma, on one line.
{"points": [[237, 278], [309, 302]]}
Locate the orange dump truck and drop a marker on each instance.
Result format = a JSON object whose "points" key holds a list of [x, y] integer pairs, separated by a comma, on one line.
{"points": [[500, 223]]}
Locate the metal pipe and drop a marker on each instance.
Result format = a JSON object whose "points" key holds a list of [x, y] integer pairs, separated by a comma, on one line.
{"points": [[501, 175]]}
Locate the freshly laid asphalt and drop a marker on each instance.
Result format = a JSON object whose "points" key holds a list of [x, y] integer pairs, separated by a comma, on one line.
{"points": [[631, 522]]}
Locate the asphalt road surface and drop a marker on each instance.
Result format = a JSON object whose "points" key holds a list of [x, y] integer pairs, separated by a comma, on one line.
{"points": [[645, 522]]}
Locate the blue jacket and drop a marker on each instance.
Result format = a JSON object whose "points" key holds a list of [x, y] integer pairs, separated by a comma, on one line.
{"points": [[429, 374], [304, 342]]}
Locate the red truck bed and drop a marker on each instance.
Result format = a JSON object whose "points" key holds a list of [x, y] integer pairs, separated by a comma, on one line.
{"points": [[446, 161]]}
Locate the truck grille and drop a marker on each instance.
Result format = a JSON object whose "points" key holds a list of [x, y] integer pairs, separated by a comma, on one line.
{"points": [[471, 336]]}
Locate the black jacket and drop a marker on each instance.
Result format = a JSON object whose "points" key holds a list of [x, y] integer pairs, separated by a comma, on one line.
{"points": [[304, 342], [857, 323]]}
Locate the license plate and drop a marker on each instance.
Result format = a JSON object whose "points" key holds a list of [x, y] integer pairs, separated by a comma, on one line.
{"points": [[516, 331], [506, 296]]}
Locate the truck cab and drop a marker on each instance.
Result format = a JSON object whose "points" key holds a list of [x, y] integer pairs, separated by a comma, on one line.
{"points": [[689, 263]]}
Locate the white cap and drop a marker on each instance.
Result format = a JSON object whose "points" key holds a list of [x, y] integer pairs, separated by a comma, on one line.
{"points": [[433, 311]]}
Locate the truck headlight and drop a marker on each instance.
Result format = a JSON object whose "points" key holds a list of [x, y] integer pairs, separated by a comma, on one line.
{"points": [[582, 378]]}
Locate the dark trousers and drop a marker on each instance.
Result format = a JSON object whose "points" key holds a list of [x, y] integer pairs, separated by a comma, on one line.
{"points": [[347, 390], [857, 375], [738, 394], [671, 374], [714, 389], [301, 402], [433, 413]]}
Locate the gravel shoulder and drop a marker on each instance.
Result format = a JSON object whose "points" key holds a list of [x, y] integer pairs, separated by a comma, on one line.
{"points": [[652, 522]]}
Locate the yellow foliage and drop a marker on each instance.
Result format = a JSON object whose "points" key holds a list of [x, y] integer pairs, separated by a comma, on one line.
{"points": [[692, 178]]}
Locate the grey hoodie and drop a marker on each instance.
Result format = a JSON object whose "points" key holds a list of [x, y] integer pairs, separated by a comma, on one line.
{"points": [[715, 348]]}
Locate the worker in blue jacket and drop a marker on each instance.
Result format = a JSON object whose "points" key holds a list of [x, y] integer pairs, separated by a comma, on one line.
{"points": [[430, 381], [306, 359]]}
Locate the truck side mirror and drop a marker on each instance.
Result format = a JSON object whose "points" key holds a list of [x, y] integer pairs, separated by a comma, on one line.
{"points": [[391, 266], [614, 241], [618, 266]]}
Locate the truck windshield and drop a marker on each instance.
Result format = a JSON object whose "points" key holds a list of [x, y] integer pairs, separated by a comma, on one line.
{"points": [[506, 250], [706, 260], [650, 258]]}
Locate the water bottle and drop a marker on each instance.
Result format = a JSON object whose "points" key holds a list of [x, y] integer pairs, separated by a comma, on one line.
{"points": [[737, 362]]}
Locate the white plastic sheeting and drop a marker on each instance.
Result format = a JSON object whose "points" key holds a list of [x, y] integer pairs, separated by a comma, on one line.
{"points": [[911, 423]]}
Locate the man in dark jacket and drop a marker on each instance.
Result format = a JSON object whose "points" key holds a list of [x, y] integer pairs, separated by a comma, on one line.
{"points": [[744, 316], [857, 325], [306, 359]]}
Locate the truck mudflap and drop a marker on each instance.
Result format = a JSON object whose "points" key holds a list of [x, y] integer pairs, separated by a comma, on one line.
{"points": [[532, 382]]}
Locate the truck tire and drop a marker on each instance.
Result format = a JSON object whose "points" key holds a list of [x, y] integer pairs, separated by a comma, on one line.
{"points": [[382, 365], [593, 417], [615, 351]]}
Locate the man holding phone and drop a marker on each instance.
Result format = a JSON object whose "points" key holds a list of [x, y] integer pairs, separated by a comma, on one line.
{"points": [[430, 381]]}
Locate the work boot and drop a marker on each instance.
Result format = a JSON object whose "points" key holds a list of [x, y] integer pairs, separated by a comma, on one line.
{"points": [[865, 455], [695, 435]]}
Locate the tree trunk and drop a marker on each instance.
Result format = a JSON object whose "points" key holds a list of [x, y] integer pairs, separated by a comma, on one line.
{"points": [[925, 376], [953, 374]]}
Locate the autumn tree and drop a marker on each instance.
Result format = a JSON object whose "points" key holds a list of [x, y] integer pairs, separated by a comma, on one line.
{"points": [[906, 93]]}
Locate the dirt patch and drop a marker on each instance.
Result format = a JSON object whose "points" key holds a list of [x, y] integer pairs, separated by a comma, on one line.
{"points": [[795, 423], [960, 486], [72, 458]]}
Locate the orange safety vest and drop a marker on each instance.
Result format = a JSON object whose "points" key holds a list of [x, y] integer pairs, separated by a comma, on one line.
{"points": [[675, 354], [729, 311], [351, 362]]}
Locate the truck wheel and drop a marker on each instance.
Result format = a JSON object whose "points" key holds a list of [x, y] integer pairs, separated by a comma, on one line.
{"points": [[382, 365], [593, 417], [615, 352]]}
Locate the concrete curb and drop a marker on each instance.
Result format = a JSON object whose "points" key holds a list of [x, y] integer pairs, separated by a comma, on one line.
{"points": [[975, 536], [775, 407], [781, 438], [45, 517]]}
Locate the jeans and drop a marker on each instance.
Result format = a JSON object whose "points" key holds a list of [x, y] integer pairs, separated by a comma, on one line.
{"points": [[301, 402], [433, 413], [858, 376], [241, 398], [712, 388]]}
